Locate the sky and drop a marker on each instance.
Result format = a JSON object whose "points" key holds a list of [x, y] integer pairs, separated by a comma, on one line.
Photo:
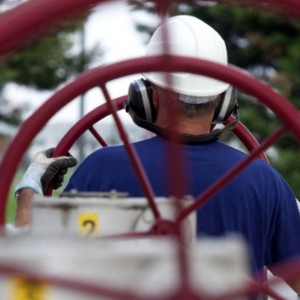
{"points": [[111, 26]]}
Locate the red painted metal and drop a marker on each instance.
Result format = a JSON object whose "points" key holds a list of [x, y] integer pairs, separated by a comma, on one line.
{"points": [[92, 78], [98, 137], [102, 111], [280, 106], [97, 114], [83, 125], [159, 227], [134, 158], [246, 137], [38, 14]]}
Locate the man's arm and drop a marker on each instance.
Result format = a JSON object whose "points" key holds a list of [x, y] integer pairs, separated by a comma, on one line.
{"points": [[43, 170], [23, 198]]}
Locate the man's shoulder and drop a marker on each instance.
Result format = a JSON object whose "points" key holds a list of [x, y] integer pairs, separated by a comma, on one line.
{"points": [[106, 152], [235, 152], [230, 157], [118, 150]]}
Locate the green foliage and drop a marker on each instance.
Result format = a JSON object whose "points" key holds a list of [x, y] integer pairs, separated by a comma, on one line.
{"points": [[288, 166], [46, 62], [44, 66], [291, 62], [263, 123]]}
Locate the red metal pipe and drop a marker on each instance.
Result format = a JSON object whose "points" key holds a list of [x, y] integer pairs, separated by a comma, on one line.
{"points": [[134, 158], [62, 11], [39, 14], [98, 137], [36, 15], [246, 137], [239, 78], [78, 129], [98, 82], [97, 114], [84, 124]]}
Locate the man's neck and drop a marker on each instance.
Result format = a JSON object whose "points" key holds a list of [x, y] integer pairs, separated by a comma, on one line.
{"points": [[193, 128], [187, 126]]}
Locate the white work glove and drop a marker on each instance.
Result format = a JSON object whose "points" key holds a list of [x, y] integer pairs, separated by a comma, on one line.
{"points": [[45, 169]]}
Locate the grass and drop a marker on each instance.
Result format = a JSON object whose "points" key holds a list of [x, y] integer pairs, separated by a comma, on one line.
{"points": [[11, 202], [10, 208]]}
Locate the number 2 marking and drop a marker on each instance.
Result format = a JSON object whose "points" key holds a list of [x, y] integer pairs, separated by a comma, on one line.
{"points": [[88, 224], [91, 224]]}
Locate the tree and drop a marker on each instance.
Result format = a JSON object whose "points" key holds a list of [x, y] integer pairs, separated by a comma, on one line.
{"points": [[43, 63], [268, 46]]}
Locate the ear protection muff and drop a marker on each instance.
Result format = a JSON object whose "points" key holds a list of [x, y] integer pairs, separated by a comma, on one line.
{"points": [[142, 111], [139, 103], [228, 105]]}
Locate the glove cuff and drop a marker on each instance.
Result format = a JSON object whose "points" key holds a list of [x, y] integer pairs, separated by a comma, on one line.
{"points": [[31, 179]]}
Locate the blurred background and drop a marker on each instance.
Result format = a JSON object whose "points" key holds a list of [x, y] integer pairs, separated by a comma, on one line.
{"points": [[259, 40]]}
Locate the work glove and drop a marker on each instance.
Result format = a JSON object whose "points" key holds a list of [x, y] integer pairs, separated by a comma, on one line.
{"points": [[45, 169]]}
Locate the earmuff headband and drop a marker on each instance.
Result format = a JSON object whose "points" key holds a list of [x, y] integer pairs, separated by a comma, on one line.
{"points": [[145, 98], [226, 103]]}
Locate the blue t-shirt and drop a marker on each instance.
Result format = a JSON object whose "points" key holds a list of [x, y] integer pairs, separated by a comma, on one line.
{"points": [[257, 203]]}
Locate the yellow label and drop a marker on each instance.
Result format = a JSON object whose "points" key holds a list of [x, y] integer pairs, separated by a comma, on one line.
{"points": [[26, 289], [88, 224]]}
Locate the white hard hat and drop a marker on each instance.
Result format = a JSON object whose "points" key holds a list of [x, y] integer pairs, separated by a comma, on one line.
{"points": [[189, 36]]}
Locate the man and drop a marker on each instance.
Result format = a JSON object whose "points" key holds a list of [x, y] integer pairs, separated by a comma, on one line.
{"points": [[257, 203]]}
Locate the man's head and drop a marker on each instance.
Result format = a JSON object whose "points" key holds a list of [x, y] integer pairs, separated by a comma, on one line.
{"points": [[166, 101], [194, 96]]}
